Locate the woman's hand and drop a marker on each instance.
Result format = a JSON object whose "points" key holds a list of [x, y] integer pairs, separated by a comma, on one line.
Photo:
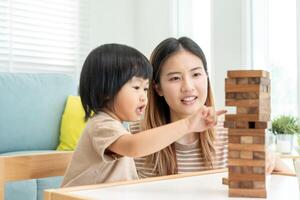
{"points": [[270, 161], [274, 163]]}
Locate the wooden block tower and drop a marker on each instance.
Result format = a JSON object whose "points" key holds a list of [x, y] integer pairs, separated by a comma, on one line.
{"points": [[249, 91]]}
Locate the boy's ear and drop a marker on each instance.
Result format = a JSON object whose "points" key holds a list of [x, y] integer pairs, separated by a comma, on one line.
{"points": [[158, 90]]}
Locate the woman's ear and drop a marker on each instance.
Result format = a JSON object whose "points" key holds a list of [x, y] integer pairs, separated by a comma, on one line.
{"points": [[158, 90]]}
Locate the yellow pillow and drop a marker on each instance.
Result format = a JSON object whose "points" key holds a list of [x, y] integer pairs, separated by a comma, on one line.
{"points": [[72, 124]]}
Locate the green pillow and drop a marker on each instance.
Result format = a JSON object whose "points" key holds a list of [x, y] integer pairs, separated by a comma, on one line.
{"points": [[72, 124]]}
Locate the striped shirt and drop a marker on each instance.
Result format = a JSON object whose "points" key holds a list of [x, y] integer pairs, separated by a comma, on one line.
{"points": [[189, 156]]}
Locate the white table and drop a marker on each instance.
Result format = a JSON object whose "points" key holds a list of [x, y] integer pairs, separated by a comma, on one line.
{"points": [[205, 186]]}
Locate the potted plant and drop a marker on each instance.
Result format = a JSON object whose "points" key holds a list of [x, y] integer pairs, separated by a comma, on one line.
{"points": [[285, 127]]}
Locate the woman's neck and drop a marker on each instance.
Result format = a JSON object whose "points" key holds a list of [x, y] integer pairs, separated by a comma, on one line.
{"points": [[188, 138]]}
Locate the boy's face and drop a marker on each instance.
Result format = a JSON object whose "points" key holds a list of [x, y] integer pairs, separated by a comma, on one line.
{"points": [[131, 100], [183, 84]]}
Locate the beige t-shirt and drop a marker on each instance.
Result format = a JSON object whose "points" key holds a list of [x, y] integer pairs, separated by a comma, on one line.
{"points": [[92, 162]]}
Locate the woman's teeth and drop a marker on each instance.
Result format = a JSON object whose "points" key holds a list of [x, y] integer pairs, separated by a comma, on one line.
{"points": [[188, 100]]}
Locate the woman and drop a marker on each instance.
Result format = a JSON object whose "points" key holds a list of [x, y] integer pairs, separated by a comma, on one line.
{"points": [[180, 87]]}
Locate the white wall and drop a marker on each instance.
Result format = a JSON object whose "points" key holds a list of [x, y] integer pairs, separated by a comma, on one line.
{"points": [[112, 21], [144, 23], [154, 21], [228, 47], [138, 23]]}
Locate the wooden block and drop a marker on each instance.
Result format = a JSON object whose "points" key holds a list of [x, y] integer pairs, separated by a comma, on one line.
{"points": [[246, 147], [247, 132], [240, 117], [246, 139], [247, 110], [263, 125], [246, 177], [225, 181], [258, 140], [260, 193], [246, 170], [247, 117], [255, 80], [229, 124], [246, 184], [242, 81], [232, 81], [242, 102], [246, 155], [265, 105], [248, 81], [234, 139], [234, 184], [230, 95], [243, 88], [265, 88], [259, 184], [258, 109], [233, 154], [247, 125], [259, 155], [259, 170], [247, 73], [234, 169], [243, 162], [246, 95]]}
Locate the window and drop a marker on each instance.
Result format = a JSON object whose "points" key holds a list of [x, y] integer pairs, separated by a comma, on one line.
{"points": [[274, 41], [194, 21], [43, 36]]}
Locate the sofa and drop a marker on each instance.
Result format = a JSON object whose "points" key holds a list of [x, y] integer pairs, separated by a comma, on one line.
{"points": [[31, 107]]}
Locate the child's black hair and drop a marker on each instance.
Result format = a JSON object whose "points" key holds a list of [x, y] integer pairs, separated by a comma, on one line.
{"points": [[105, 70]]}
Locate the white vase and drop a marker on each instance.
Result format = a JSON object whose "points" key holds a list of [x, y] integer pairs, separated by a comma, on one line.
{"points": [[284, 143]]}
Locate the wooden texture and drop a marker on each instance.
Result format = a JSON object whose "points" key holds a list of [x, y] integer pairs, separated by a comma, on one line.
{"points": [[246, 177], [246, 125], [248, 81], [246, 132], [247, 73], [245, 162], [246, 147], [32, 166], [246, 155], [248, 117], [260, 193], [249, 91]]}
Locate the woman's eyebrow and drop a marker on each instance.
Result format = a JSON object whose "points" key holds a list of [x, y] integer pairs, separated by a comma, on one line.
{"points": [[193, 69], [196, 68], [172, 73]]}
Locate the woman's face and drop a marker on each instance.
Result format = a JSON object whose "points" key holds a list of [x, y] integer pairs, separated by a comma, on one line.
{"points": [[183, 84]]}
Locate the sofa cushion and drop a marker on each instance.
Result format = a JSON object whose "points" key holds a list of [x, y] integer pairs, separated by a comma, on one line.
{"points": [[47, 183], [32, 189], [25, 190], [72, 124], [31, 108]]}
